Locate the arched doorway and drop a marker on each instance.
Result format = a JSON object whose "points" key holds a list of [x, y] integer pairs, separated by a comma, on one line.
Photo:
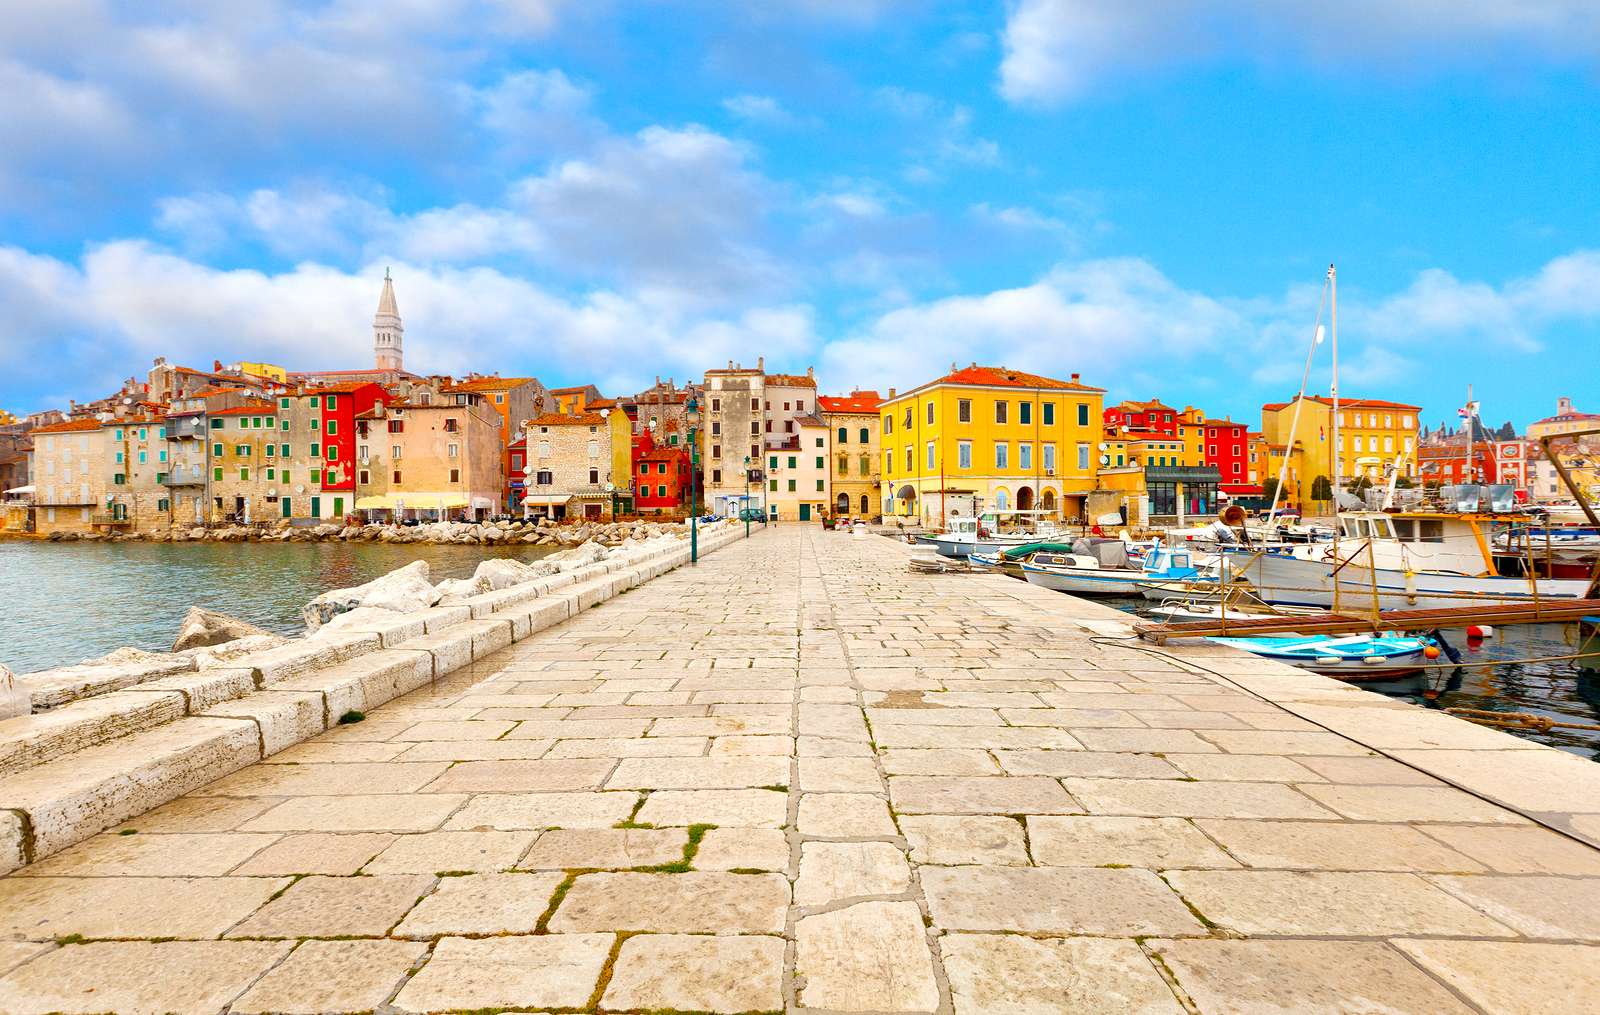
{"points": [[1002, 501], [908, 495], [866, 504], [1048, 501], [844, 503], [1025, 499]]}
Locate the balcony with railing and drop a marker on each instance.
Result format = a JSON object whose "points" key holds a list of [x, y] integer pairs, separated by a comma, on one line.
{"points": [[171, 479]]}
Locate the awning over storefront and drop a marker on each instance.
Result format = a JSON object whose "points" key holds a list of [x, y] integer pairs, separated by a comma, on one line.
{"points": [[546, 499], [907, 493], [412, 502]]}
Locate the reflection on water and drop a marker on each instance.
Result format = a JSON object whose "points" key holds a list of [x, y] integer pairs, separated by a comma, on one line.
{"points": [[65, 602], [1488, 680]]}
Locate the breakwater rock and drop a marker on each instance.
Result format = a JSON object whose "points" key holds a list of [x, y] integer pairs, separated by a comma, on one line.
{"points": [[572, 532]]}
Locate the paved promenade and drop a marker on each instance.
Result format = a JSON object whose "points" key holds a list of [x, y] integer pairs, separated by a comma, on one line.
{"points": [[798, 777]]}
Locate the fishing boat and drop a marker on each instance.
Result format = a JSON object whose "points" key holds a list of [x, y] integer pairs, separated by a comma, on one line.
{"points": [[982, 534], [1081, 574], [1424, 559], [1357, 657], [1169, 571], [1009, 561], [1241, 604]]}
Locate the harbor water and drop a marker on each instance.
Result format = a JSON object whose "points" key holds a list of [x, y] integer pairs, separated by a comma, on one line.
{"points": [[67, 602], [1492, 678]]}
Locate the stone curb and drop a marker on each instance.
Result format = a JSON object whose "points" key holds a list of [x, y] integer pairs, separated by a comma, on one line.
{"points": [[72, 772]]}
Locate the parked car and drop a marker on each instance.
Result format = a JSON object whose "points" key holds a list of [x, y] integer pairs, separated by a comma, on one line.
{"points": [[753, 515]]}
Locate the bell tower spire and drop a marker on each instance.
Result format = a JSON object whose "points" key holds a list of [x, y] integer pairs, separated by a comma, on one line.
{"points": [[386, 329]]}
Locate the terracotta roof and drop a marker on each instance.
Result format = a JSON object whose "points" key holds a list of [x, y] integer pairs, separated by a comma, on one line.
{"points": [[341, 389], [811, 420], [72, 427], [489, 384], [1144, 406], [1218, 422], [1347, 403], [1003, 378], [1568, 417], [856, 401], [601, 403], [248, 409], [789, 381], [664, 453]]}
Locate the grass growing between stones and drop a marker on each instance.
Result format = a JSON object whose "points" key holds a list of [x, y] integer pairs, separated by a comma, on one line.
{"points": [[543, 926], [628, 821], [690, 848], [350, 717]]}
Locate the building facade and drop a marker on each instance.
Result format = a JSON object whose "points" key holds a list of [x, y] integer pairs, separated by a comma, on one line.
{"points": [[856, 479], [569, 470], [999, 439], [1373, 437]]}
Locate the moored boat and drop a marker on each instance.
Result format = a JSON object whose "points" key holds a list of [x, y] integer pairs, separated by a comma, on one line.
{"points": [[1080, 574], [1349, 657]]}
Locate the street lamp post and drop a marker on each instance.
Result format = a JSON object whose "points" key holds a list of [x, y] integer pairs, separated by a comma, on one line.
{"points": [[745, 509]]}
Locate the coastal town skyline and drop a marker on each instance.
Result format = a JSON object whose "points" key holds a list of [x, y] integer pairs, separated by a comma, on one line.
{"points": [[1155, 212]]}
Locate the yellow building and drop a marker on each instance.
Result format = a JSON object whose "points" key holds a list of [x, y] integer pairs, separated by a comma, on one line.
{"points": [[1373, 435], [267, 370], [991, 439]]}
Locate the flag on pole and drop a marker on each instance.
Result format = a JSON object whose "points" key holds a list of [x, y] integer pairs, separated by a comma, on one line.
{"points": [[1468, 411]]}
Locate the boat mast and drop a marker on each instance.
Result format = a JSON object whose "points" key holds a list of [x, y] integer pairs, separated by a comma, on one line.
{"points": [[1333, 452]]}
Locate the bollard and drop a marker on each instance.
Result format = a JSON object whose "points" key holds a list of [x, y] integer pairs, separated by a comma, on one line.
{"points": [[694, 539]]}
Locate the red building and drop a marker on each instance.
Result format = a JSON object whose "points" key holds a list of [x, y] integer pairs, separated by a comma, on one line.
{"points": [[335, 408], [662, 480], [1456, 461], [1227, 446], [1143, 418]]}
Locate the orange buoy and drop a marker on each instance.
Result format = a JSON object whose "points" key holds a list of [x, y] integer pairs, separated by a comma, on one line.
{"points": [[1431, 652]]}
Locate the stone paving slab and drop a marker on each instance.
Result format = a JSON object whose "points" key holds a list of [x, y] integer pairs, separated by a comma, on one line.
{"points": [[798, 777]]}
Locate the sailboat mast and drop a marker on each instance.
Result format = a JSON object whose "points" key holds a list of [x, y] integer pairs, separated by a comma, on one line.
{"points": [[1333, 452]]}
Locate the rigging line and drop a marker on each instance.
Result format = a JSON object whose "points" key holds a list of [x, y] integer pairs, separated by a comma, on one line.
{"points": [[1294, 425], [1134, 643]]}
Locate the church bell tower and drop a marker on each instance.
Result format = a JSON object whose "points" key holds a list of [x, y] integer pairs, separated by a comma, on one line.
{"points": [[386, 329]]}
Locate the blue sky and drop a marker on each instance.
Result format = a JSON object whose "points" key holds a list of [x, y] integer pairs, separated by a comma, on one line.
{"points": [[1147, 194]]}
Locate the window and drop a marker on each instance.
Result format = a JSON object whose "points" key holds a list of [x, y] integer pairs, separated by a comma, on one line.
{"points": [[791, 461], [1388, 444], [315, 401], [285, 425], [119, 458], [241, 450], [119, 479], [661, 468], [594, 476], [716, 405], [333, 401], [216, 424], [791, 486], [866, 436], [544, 478], [283, 476], [755, 427], [930, 413], [908, 417], [788, 426], [932, 461], [1166, 417], [820, 464], [396, 476], [1236, 468], [964, 410], [284, 452], [799, 406], [499, 399], [1213, 434], [844, 466], [1212, 451], [1025, 413], [910, 464], [755, 405], [244, 473], [1405, 422], [216, 475], [716, 475], [888, 424], [394, 451], [365, 477], [1025, 457], [1002, 455], [268, 449], [819, 486], [716, 452], [964, 455], [544, 449], [283, 403], [844, 435], [866, 465], [397, 426], [1000, 412], [1237, 450], [141, 458], [316, 476], [1049, 457], [316, 451]]}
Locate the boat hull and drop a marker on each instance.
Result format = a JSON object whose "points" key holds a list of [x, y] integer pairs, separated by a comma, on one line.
{"points": [[1085, 582], [1383, 659], [1281, 579]]}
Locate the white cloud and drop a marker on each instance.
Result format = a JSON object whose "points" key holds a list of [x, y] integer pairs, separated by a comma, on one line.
{"points": [[762, 108], [1060, 49]]}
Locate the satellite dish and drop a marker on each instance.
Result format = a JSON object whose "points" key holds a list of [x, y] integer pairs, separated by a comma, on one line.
{"points": [[300, 489], [1104, 446], [1105, 459], [604, 413], [609, 488], [272, 492]]}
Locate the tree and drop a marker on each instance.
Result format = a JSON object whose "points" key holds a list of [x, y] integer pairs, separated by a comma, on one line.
{"points": [[1269, 489], [1321, 489], [1403, 483], [1361, 485], [1507, 432]]}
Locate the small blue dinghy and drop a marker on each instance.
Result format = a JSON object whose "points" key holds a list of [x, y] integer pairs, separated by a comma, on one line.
{"points": [[1352, 656]]}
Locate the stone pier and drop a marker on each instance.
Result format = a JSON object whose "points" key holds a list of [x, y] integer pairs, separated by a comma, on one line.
{"points": [[797, 777]]}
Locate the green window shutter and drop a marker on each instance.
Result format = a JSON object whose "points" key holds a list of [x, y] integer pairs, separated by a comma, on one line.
{"points": [[216, 475], [333, 426], [332, 403], [820, 464], [118, 435], [244, 473], [791, 461], [819, 486], [791, 486], [283, 451], [283, 403]]}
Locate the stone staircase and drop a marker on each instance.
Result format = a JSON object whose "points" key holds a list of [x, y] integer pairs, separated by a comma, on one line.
{"points": [[74, 771]]}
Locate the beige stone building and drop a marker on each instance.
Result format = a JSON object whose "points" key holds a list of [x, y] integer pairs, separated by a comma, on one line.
{"points": [[853, 426], [750, 416], [250, 473], [68, 466], [424, 460], [569, 468], [105, 475], [798, 472]]}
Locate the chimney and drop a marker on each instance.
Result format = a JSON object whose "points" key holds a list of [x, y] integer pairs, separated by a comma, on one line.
{"points": [[761, 363], [1075, 378], [216, 366], [730, 364], [811, 372], [891, 392]]}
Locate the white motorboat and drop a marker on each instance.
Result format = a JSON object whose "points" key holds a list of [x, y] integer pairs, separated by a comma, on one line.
{"points": [[977, 535], [1406, 560], [1081, 574]]}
